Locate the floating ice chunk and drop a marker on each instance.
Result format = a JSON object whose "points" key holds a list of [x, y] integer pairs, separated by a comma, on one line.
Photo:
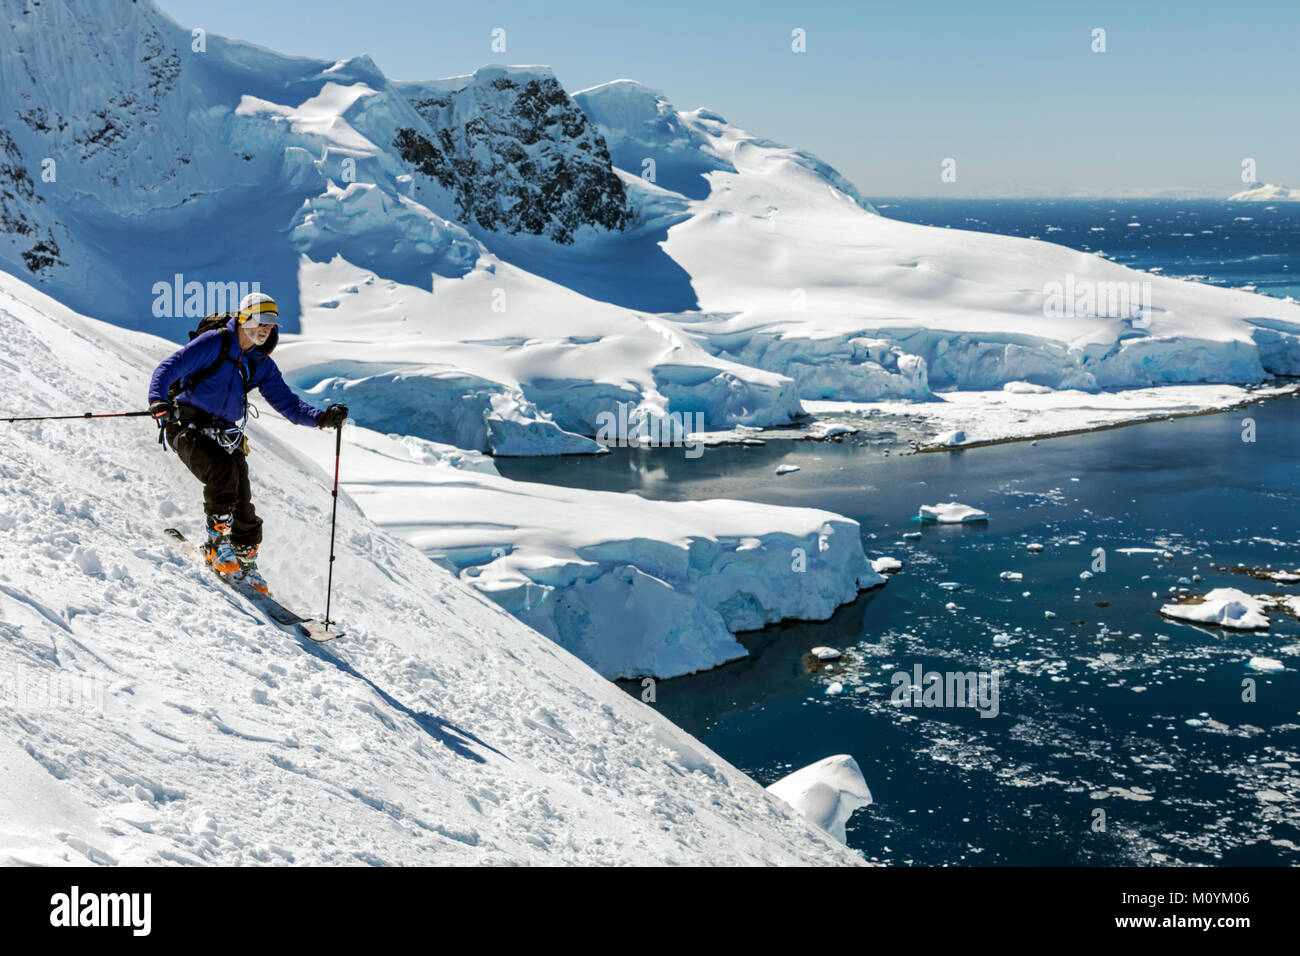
{"points": [[949, 585], [825, 653], [786, 469], [1084, 576], [1011, 576], [1034, 547], [1001, 639], [1184, 580], [951, 606], [1194, 722], [834, 689], [1049, 614], [1265, 664], [911, 535], [1226, 607], [826, 792], [954, 437], [951, 513], [886, 565]]}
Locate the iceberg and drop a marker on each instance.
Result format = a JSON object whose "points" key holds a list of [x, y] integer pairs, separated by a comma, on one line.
{"points": [[951, 513], [1224, 607], [826, 792]]}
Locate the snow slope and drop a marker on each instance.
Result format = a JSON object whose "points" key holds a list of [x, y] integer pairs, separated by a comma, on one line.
{"points": [[540, 361], [151, 718]]}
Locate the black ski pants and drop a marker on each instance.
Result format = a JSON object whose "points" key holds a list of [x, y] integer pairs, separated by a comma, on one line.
{"points": [[225, 481]]}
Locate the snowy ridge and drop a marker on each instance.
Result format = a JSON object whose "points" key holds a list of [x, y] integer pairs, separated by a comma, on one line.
{"points": [[640, 123], [151, 719], [409, 350]]}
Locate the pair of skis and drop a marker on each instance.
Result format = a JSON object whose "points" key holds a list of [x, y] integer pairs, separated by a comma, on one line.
{"points": [[320, 632]]}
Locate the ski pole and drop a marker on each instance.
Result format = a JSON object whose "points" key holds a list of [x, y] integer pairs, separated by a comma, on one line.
{"points": [[329, 587], [55, 418]]}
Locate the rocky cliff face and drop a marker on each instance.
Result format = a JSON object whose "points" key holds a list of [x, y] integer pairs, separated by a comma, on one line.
{"points": [[516, 152], [22, 233]]}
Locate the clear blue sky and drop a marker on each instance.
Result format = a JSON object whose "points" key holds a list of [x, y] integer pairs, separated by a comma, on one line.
{"points": [[886, 90]]}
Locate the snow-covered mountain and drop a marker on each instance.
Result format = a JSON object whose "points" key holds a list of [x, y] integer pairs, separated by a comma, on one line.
{"points": [[793, 272], [148, 716], [1266, 192], [180, 171], [528, 260]]}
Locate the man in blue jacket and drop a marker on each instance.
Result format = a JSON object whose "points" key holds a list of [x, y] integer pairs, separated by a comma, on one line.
{"points": [[199, 395]]}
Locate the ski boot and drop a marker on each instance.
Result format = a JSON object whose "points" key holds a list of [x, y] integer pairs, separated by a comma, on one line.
{"points": [[248, 573], [218, 551]]}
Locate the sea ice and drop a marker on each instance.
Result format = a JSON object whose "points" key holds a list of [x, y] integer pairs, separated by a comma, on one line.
{"points": [[951, 513], [1225, 607]]}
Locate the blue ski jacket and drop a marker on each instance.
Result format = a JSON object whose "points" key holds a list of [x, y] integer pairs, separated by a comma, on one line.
{"points": [[222, 393]]}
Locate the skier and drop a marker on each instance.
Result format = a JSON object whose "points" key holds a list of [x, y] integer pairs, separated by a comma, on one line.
{"points": [[199, 397]]}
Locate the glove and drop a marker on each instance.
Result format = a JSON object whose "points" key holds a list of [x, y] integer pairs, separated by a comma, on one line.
{"points": [[162, 411], [334, 416]]}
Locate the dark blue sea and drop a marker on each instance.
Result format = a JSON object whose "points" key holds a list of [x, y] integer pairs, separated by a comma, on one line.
{"points": [[1121, 737], [1230, 244]]}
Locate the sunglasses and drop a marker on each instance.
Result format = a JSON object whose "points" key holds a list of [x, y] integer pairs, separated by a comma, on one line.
{"points": [[267, 317]]}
